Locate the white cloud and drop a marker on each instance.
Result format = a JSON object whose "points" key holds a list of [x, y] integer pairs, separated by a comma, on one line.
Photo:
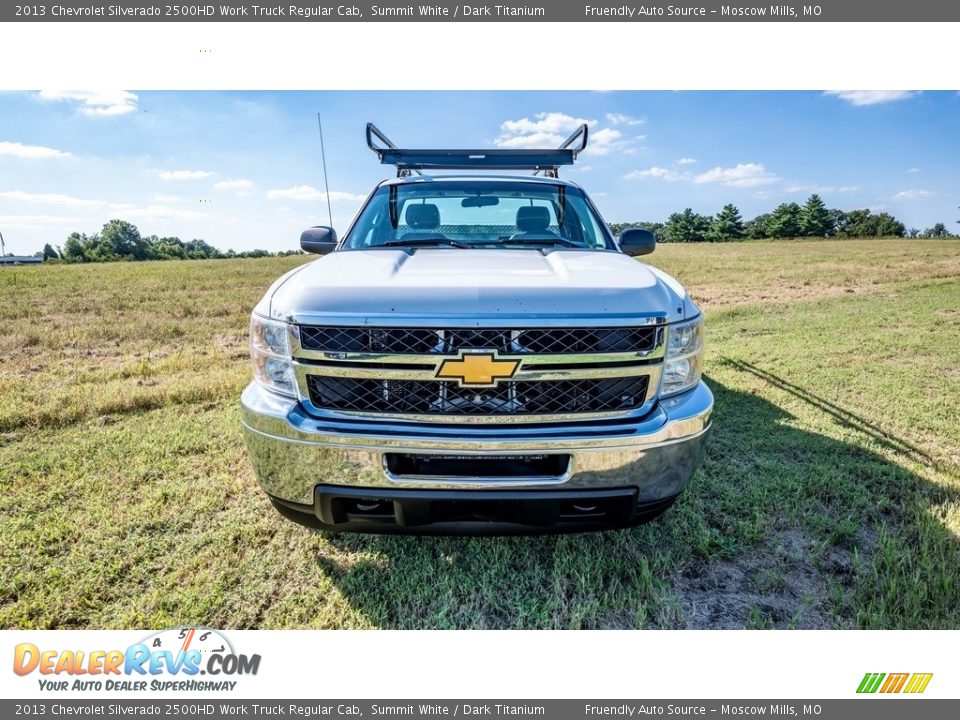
{"points": [[308, 192], [34, 220], [534, 140], [49, 199], [239, 184], [862, 98], [547, 129], [913, 170], [686, 161], [913, 195], [742, 175], [550, 129], [96, 103], [621, 119], [159, 212], [657, 173], [821, 188], [175, 175], [15, 149], [607, 140], [164, 199]]}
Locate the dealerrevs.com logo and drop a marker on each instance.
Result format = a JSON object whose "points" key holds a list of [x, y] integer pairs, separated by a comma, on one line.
{"points": [[179, 659]]}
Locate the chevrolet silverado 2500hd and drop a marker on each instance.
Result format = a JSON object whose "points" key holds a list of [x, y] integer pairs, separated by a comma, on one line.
{"points": [[476, 354]]}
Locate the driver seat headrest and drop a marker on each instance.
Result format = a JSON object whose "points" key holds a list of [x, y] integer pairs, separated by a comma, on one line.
{"points": [[533, 218], [423, 216]]}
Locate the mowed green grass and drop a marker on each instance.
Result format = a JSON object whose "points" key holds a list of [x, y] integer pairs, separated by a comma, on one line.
{"points": [[829, 495]]}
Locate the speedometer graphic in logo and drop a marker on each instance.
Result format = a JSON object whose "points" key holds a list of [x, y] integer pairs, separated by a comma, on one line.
{"points": [[184, 639]]}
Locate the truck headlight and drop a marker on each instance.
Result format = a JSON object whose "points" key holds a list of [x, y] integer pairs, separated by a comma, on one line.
{"points": [[270, 353], [684, 358]]}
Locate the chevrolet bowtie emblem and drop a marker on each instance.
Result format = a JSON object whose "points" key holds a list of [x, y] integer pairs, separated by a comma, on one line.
{"points": [[478, 369]]}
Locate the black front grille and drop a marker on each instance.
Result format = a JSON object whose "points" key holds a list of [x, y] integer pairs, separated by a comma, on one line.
{"points": [[450, 341], [436, 397]]}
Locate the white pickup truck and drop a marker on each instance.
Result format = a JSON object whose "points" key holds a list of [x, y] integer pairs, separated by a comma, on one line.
{"points": [[477, 354]]}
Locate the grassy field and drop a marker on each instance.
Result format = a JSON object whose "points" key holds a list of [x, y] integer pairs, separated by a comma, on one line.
{"points": [[829, 495]]}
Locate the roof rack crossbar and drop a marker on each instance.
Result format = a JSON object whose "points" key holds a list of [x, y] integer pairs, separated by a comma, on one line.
{"points": [[581, 133], [545, 161], [373, 132]]}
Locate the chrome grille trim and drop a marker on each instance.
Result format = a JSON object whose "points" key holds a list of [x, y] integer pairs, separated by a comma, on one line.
{"points": [[446, 400], [302, 370], [360, 341], [534, 367]]}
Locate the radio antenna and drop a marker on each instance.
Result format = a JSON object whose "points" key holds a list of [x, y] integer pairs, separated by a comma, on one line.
{"points": [[326, 182]]}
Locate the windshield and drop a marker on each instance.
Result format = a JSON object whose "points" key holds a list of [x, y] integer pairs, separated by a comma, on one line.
{"points": [[478, 214]]}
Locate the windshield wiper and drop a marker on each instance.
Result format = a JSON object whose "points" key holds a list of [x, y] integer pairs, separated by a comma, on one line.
{"points": [[544, 241], [426, 242]]}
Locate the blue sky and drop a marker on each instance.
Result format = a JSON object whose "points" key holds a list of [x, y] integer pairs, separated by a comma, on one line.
{"points": [[242, 169]]}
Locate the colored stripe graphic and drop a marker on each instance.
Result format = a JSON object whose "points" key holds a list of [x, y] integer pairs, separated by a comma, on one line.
{"points": [[918, 682], [894, 683], [870, 682]]}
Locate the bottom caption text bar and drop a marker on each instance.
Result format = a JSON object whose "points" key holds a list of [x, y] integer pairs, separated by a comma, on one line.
{"points": [[874, 708]]}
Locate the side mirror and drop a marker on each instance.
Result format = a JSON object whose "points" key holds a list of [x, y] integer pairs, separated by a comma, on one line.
{"points": [[319, 240], [637, 241]]}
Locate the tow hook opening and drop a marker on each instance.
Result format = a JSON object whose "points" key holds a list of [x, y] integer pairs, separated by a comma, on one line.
{"points": [[364, 509], [576, 510]]}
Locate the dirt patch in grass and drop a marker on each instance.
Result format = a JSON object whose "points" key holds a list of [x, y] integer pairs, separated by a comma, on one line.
{"points": [[782, 584]]}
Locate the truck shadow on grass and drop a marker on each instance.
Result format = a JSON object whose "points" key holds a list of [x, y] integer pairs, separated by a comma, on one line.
{"points": [[781, 527]]}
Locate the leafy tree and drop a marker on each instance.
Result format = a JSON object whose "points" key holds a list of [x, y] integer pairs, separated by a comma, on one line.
{"points": [[838, 221], [74, 249], [688, 226], [49, 253], [657, 228], [858, 224], [121, 240], [727, 225], [864, 223], [815, 219], [756, 229], [886, 225], [785, 221], [937, 231], [914, 232]]}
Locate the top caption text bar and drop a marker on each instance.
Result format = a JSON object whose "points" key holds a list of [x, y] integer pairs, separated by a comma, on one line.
{"points": [[448, 11]]}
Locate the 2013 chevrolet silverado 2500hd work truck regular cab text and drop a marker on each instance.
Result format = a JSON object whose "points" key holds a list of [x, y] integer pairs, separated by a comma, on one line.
{"points": [[476, 354]]}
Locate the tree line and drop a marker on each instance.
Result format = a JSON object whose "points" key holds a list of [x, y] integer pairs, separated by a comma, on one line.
{"points": [[119, 240], [787, 220]]}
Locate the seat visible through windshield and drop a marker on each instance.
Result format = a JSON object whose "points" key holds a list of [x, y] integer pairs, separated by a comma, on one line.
{"points": [[485, 213]]}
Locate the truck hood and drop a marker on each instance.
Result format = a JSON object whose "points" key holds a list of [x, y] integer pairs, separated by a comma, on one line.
{"points": [[476, 286]]}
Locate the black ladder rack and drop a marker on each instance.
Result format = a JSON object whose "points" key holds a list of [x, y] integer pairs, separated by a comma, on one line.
{"points": [[408, 161]]}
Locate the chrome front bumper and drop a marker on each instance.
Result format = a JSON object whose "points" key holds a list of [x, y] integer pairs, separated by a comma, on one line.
{"points": [[293, 452]]}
